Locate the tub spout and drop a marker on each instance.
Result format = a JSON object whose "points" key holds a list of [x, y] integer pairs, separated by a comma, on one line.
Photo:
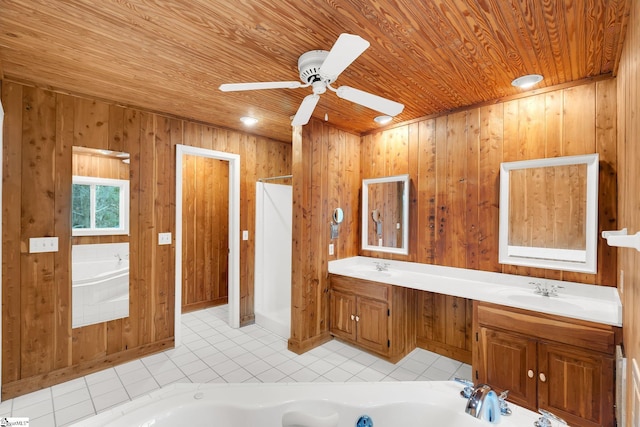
{"points": [[484, 404]]}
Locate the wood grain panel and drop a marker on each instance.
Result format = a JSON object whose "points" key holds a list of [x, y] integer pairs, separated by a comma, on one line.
{"points": [[205, 200], [39, 346], [627, 275], [313, 157], [11, 231]]}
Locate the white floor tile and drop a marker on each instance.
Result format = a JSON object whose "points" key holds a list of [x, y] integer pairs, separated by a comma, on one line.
{"points": [[214, 352], [44, 421], [70, 399], [337, 375], [141, 387], [74, 413], [110, 399]]}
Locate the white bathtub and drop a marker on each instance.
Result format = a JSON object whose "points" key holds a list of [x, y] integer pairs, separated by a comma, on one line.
{"points": [[390, 404]]}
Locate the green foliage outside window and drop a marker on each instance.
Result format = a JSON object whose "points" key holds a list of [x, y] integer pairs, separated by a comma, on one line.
{"points": [[96, 206]]}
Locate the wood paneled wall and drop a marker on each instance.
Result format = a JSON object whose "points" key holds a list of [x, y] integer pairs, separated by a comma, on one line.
{"points": [[326, 175], [454, 162], [628, 80], [39, 346], [205, 227]]}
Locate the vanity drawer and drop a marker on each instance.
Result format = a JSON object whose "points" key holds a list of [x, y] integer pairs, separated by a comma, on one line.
{"points": [[360, 287], [595, 336]]}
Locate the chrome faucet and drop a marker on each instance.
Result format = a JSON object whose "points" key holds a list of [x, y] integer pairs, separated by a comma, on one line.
{"points": [[545, 289], [484, 403], [381, 266], [546, 418]]}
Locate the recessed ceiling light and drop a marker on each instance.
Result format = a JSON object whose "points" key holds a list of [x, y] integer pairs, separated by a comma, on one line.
{"points": [[249, 121], [527, 81], [383, 120]]}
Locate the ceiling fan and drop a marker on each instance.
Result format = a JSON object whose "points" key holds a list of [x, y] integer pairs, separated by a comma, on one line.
{"points": [[318, 69]]}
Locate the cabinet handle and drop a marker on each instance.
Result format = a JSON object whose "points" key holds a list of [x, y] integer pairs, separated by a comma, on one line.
{"points": [[530, 374], [543, 377], [353, 317], [357, 318]]}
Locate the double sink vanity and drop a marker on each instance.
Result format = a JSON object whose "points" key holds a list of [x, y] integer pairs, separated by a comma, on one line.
{"points": [[550, 343]]}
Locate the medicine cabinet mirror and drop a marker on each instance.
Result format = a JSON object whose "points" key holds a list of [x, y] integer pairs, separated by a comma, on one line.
{"points": [[549, 213], [100, 236], [385, 214]]}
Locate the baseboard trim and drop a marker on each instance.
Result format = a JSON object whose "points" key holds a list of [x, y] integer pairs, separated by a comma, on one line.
{"points": [[303, 346]]}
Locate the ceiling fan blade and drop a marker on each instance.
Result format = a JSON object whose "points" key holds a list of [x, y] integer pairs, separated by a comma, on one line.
{"points": [[305, 110], [235, 87], [344, 51], [375, 102]]}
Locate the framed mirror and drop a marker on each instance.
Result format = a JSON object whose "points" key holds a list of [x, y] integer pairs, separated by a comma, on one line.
{"points": [[100, 236], [385, 214], [549, 213]]}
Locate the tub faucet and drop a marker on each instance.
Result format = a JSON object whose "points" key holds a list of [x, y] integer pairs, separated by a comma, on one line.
{"points": [[484, 404]]}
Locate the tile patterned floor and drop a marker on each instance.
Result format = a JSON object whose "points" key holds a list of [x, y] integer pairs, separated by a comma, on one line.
{"points": [[214, 352]]}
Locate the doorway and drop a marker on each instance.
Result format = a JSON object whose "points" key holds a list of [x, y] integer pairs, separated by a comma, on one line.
{"points": [[233, 267]]}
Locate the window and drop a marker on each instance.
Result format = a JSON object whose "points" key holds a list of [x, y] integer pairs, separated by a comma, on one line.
{"points": [[99, 206]]}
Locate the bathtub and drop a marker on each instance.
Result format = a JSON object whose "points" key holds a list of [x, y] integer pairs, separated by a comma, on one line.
{"points": [[390, 404]]}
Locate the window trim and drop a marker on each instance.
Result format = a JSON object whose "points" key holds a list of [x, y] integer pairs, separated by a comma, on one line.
{"points": [[123, 185]]}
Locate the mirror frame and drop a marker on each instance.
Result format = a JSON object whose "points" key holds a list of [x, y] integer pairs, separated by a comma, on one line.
{"points": [[584, 261], [404, 249]]}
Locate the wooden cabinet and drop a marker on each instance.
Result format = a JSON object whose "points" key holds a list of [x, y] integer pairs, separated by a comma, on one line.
{"points": [[563, 365], [374, 316]]}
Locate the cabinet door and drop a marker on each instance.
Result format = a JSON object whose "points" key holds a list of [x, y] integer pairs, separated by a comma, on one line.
{"points": [[576, 384], [508, 362], [373, 324], [342, 307]]}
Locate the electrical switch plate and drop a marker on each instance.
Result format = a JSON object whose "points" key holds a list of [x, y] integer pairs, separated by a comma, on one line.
{"points": [[43, 244], [164, 238], [330, 248], [621, 285], [245, 234]]}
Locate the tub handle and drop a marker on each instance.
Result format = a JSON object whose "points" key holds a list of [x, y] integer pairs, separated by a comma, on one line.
{"points": [[298, 418]]}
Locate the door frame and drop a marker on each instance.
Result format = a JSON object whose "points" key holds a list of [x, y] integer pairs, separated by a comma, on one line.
{"points": [[234, 233]]}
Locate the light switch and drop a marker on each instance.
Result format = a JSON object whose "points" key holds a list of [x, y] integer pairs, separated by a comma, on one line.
{"points": [[164, 238], [245, 234], [330, 248], [43, 244]]}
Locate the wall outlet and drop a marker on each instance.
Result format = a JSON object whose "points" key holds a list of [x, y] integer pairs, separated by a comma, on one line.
{"points": [[43, 244], [245, 234], [164, 238], [331, 249]]}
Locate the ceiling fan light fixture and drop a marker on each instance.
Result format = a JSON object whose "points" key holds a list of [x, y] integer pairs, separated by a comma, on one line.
{"points": [[383, 120], [248, 121], [525, 82]]}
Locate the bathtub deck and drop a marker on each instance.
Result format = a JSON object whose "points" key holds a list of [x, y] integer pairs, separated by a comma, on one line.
{"points": [[214, 352]]}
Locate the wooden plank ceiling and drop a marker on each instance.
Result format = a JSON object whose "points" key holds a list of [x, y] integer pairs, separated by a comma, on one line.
{"points": [[431, 55]]}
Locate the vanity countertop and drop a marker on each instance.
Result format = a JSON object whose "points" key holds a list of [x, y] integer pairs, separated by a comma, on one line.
{"points": [[593, 303]]}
